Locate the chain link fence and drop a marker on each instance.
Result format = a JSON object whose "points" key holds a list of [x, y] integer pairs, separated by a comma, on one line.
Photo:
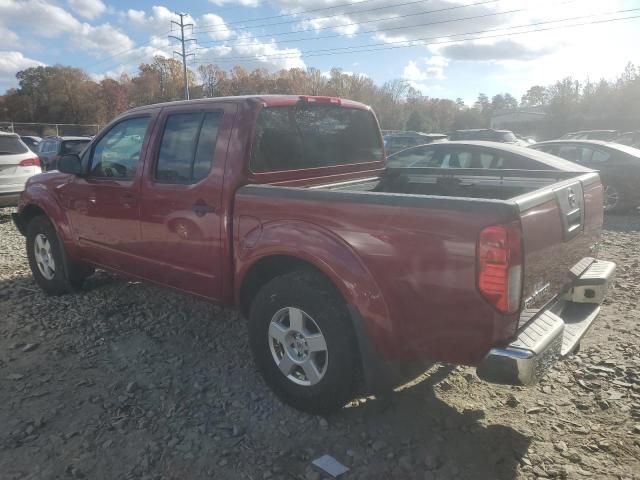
{"points": [[47, 129]]}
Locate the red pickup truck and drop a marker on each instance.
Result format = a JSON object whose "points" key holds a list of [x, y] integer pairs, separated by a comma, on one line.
{"points": [[347, 272]]}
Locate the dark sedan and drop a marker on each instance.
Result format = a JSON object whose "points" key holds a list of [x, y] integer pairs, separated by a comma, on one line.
{"points": [[619, 167]]}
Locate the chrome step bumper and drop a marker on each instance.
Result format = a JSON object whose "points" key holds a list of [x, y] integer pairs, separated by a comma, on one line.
{"points": [[550, 336]]}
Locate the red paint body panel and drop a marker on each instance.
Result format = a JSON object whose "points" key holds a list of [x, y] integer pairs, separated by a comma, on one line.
{"points": [[405, 263], [410, 271]]}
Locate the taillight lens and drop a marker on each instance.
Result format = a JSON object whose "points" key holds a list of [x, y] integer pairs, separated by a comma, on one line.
{"points": [[30, 162], [500, 266]]}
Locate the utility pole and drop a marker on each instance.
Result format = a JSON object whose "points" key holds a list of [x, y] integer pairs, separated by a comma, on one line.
{"points": [[184, 55]]}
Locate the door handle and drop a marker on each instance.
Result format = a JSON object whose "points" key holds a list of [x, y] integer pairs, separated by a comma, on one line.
{"points": [[128, 200], [201, 208]]}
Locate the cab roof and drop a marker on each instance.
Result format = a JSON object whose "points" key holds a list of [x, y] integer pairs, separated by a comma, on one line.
{"points": [[266, 100]]}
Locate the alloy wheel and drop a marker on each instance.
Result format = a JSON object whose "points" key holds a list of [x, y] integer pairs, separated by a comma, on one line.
{"points": [[298, 346], [44, 257]]}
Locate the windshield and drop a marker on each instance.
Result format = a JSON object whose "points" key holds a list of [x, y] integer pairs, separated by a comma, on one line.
{"points": [[73, 146], [10, 145], [307, 136]]}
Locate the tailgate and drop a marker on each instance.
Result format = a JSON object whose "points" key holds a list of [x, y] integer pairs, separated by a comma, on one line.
{"points": [[561, 228]]}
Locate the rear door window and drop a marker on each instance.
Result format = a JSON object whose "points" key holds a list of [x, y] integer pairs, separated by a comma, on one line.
{"points": [[570, 152], [314, 135], [598, 156], [490, 160], [10, 145], [187, 147], [457, 159]]}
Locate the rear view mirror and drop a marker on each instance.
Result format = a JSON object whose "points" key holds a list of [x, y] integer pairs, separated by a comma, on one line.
{"points": [[70, 163]]}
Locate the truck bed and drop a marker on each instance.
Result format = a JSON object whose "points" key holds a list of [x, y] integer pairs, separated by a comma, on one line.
{"points": [[416, 231], [464, 183]]}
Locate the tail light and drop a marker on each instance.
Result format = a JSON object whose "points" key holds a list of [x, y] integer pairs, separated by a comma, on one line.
{"points": [[30, 162], [500, 266]]}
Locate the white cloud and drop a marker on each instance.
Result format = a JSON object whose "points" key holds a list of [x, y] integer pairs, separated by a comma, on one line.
{"points": [[9, 38], [43, 19], [102, 38], [422, 78], [88, 8], [40, 17], [254, 54], [216, 28], [243, 3], [158, 21], [12, 62]]}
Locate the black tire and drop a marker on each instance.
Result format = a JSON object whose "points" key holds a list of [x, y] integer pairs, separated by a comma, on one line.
{"points": [[318, 298], [68, 276], [620, 206]]}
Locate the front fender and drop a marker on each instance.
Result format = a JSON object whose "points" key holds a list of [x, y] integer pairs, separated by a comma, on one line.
{"points": [[37, 197], [329, 254]]}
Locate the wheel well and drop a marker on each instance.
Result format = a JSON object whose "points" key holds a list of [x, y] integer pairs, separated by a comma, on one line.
{"points": [[265, 270], [28, 214]]}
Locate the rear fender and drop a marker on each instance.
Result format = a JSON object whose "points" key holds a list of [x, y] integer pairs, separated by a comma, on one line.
{"points": [[335, 259]]}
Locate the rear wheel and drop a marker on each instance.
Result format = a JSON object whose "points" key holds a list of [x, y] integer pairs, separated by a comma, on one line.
{"points": [[612, 199], [50, 268], [303, 342]]}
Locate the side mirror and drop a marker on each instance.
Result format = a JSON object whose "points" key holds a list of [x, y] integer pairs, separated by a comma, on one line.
{"points": [[70, 163]]}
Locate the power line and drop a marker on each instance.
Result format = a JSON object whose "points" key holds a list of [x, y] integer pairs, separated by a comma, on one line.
{"points": [[362, 11], [403, 27], [304, 12], [183, 41], [387, 46]]}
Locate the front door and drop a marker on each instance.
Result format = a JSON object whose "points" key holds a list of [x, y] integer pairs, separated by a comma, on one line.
{"points": [[104, 204], [181, 199]]}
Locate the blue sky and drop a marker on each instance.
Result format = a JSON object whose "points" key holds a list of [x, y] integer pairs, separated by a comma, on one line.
{"points": [[472, 46]]}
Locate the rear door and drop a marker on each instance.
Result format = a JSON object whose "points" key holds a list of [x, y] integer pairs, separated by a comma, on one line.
{"points": [[181, 215]]}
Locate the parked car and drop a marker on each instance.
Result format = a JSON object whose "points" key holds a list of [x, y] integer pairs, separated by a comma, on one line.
{"points": [[525, 140], [396, 141], [17, 164], [631, 139], [346, 271], [477, 155], [604, 135], [619, 167], [31, 141], [488, 135], [52, 148]]}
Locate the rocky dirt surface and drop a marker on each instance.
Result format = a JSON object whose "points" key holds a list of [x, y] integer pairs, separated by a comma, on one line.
{"points": [[128, 381]]}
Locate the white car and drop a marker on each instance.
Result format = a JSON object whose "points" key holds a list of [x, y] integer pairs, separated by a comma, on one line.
{"points": [[17, 164]]}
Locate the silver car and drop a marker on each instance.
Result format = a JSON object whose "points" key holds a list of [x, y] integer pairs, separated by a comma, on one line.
{"points": [[17, 164]]}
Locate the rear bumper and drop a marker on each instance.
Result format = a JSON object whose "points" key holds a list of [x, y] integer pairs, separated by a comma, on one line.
{"points": [[552, 334]]}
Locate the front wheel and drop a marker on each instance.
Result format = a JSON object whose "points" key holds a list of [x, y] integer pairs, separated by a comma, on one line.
{"points": [[303, 342], [47, 260]]}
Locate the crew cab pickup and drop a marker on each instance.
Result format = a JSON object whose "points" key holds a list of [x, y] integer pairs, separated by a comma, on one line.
{"points": [[347, 272]]}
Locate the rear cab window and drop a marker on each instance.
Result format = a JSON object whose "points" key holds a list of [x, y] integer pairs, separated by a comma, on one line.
{"points": [[305, 136], [11, 145]]}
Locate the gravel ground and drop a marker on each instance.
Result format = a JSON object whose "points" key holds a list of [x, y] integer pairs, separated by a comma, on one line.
{"points": [[125, 380]]}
